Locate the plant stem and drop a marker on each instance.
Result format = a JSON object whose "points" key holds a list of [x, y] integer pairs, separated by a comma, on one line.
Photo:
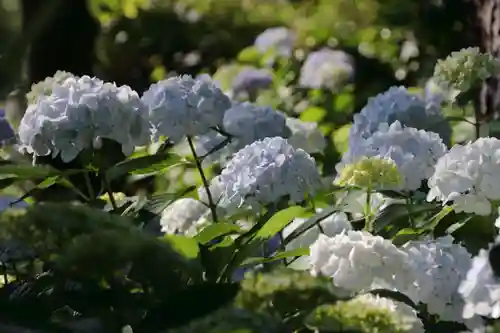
{"points": [[368, 211], [88, 184], [107, 186], [211, 203]]}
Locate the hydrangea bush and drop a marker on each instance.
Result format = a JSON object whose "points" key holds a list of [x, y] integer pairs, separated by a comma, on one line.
{"points": [[402, 237]]}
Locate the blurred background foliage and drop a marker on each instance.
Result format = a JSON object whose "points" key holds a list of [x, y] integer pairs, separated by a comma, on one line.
{"points": [[137, 42]]}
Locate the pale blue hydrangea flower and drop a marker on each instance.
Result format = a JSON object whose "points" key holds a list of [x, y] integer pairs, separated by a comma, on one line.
{"points": [[398, 103], [279, 39], [265, 172], [183, 106], [246, 123], [78, 113], [480, 289], [415, 152], [250, 80], [326, 68], [7, 134]]}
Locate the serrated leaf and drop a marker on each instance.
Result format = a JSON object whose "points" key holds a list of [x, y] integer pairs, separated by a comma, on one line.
{"points": [[145, 164], [278, 221], [186, 246], [213, 231]]}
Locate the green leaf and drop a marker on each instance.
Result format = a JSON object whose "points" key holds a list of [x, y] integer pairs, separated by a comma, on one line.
{"points": [[145, 164], [186, 246], [405, 235], [159, 202], [279, 256], [249, 55], [438, 217], [6, 182], [279, 220], [397, 215], [27, 171], [216, 230]]}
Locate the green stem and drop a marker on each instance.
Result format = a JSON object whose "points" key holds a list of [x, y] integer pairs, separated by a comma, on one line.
{"points": [[206, 185], [88, 184], [107, 186], [368, 211]]}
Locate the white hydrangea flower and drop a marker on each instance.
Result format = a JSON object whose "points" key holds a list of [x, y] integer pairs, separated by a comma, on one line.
{"points": [[78, 113], [326, 68], [398, 103], [250, 80], [183, 106], [469, 176], [440, 266], [184, 216], [305, 135], [480, 289], [330, 226], [279, 39], [415, 152], [266, 171], [357, 260], [404, 315]]}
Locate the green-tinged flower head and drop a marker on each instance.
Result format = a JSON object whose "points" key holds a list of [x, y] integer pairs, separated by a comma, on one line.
{"points": [[45, 87], [231, 320], [465, 69], [371, 173], [363, 314], [283, 292]]}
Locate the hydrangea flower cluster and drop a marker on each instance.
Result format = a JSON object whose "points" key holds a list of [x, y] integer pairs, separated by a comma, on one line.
{"points": [[278, 39], [183, 216], [79, 112], [469, 176], [266, 171], [250, 80], [326, 68], [465, 69], [357, 260], [371, 173], [182, 106], [397, 103], [415, 152], [440, 266], [305, 136], [45, 87], [480, 289], [330, 226]]}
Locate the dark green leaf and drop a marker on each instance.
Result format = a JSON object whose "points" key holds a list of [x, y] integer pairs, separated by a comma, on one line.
{"points": [[216, 230], [279, 256], [397, 215], [6, 182], [405, 235], [144, 165], [160, 201]]}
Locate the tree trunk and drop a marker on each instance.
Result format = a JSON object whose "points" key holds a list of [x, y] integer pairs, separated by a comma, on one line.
{"points": [[488, 24], [65, 42]]}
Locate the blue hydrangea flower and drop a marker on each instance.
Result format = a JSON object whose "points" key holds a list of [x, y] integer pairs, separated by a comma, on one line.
{"points": [[183, 106], [265, 172], [399, 104], [7, 134], [326, 68], [250, 80], [415, 152], [279, 39]]}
